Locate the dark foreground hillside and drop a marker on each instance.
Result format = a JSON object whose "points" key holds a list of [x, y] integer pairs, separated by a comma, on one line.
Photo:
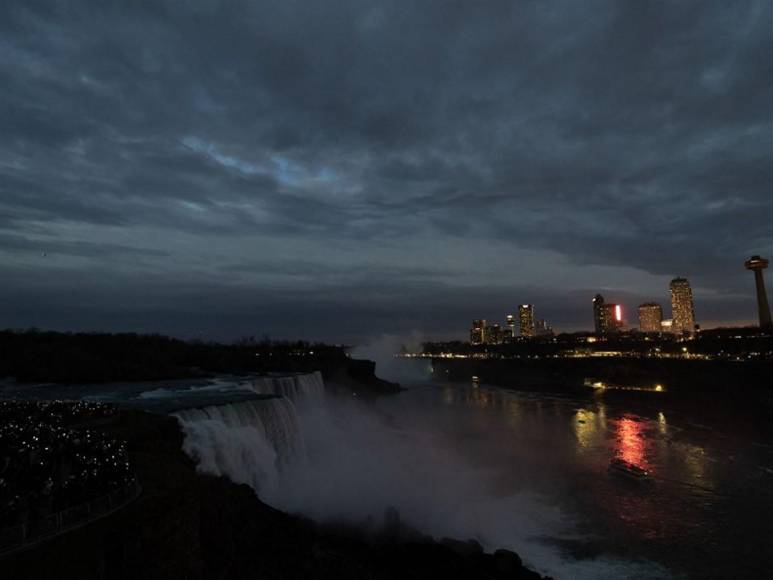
{"points": [[185, 525]]}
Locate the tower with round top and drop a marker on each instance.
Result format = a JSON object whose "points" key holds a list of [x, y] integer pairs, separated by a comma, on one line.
{"points": [[757, 264]]}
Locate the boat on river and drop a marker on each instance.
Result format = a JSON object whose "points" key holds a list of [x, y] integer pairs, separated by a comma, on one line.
{"points": [[628, 470]]}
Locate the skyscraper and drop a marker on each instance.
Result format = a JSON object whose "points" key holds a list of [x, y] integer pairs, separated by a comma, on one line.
{"points": [[611, 318], [492, 334], [650, 317], [542, 328], [511, 325], [526, 316], [477, 331], [682, 308], [598, 314]]}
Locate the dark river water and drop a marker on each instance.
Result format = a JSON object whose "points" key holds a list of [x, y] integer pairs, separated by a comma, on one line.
{"points": [[524, 471], [708, 512]]}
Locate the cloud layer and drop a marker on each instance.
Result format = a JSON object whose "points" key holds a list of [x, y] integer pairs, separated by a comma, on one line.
{"points": [[338, 169]]}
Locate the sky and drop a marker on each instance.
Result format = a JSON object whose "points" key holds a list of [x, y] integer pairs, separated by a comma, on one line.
{"points": [[338, 170]]}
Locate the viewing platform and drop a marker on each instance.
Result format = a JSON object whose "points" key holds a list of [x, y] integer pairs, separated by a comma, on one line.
{"points": [[56, 472]]}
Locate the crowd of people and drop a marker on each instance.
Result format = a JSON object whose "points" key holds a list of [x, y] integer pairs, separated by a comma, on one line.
{"points": [[50, 462]]}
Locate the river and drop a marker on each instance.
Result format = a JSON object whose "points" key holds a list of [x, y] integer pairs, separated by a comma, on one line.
{"points": [[530, 472], [512, 469]]}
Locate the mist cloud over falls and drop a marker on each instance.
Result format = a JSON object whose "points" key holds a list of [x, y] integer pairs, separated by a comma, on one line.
{"points": [[362, 458]]}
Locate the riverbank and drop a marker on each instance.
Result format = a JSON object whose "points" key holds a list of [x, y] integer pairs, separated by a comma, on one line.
{"points": [[190, 525], [685, 379], [34, 357], [711, 392]]}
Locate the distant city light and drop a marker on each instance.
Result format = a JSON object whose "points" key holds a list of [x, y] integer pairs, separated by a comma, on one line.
{"points": [[682, 307]]}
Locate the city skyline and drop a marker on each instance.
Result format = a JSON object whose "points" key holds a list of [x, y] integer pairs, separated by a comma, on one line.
{"points": [[337, 172], [612, 317]]}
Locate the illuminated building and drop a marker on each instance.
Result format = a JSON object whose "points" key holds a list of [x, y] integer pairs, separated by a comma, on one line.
{"points": [[526, 316], [757, 265], [477, 334], [492, 334], [611, 318], [542, 328], [650, 317], [484, 333], [682, 308], [511, 325], [666, 325], [598, 314]]}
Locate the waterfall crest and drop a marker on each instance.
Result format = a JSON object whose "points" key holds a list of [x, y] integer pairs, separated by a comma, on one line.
{"points": [[294, 387], [248, 441]]}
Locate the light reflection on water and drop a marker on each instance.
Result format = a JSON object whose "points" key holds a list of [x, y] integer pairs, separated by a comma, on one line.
{"points": [[630, 444], [710, 499], [589, 428], [662, 423]]}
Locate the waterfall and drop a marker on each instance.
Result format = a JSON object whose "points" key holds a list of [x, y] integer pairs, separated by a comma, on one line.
{"points": [[294, 387], [249, 441]]}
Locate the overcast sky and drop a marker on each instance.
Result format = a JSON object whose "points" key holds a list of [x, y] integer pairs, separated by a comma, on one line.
{"points": [[341, 169]]}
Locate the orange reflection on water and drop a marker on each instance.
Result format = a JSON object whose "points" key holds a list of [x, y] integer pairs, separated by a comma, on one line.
{"points": [[630, 441], [589, 428]]}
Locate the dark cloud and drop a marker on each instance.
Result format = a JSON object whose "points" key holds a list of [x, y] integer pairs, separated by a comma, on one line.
{"points": [[56, 246], [400, 155]]}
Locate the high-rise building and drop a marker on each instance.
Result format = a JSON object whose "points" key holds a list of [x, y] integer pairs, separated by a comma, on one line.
{"points": [[492, 334], [757, 265], [477, 333], [511, 325], [526, 317], [598, 314], [650, 317], [682, 307], [542, 328], [611, 318]]}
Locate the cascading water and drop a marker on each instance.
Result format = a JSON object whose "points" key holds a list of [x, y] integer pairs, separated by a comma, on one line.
{"points": [[249, 441], [437, 461], [294, 387]]}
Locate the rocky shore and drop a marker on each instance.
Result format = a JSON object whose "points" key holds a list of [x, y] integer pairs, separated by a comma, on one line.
{"points": [[359, 375], [187, 525]]}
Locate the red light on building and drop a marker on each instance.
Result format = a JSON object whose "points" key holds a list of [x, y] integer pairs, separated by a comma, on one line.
{"points": [[618, 313]]}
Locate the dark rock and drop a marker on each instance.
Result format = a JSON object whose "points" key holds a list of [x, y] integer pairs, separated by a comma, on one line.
{"points": [[507, 562], [465, 549]]}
